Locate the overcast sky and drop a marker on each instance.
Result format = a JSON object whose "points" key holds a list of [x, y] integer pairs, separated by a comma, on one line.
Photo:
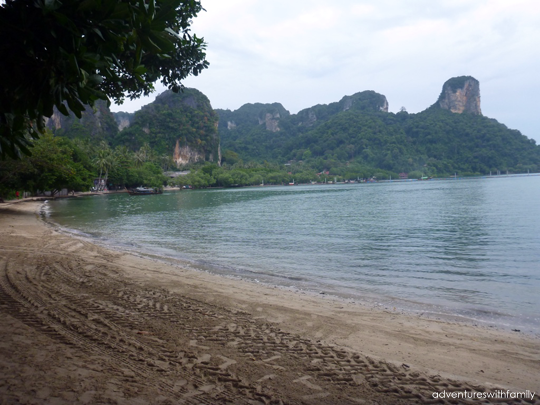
{"points": [[302, 53]]}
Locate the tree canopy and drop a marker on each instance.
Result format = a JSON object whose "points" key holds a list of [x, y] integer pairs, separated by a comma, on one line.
{"points": [[70, 53]]}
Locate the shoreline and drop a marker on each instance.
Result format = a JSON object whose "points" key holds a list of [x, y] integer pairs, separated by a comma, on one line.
{"points": [[429, 311], [476, 317], [403, 348]]}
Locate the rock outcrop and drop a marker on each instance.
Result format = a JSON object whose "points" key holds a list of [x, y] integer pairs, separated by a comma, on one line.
{"points": [[123, 119], [461, 95], [185, 154], [271, 120], [364, 101], [96, 122]]}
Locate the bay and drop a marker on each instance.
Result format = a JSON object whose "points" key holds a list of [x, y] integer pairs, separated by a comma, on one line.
{"points": [[465, 249]]}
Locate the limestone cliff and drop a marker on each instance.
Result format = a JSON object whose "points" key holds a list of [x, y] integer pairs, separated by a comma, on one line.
{"points": [[97, 122], [185, 154], [461, 95], [123, 119], [271, 121], [183, 125]]}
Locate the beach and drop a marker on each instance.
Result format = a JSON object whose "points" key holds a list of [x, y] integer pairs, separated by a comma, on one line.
{"points": [[82, 324]]}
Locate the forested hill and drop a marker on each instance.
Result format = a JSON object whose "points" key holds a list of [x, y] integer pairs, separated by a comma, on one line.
{"points": [[182, 124], [358, 130], [451, 136], [96, 123]]}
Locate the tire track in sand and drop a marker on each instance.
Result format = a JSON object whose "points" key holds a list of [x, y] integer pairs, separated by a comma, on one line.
{"points": [[195, 352], [30, 295]]}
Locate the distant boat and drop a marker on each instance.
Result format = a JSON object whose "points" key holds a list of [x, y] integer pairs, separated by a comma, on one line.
{"points": [[144, 191], [291, 184]]}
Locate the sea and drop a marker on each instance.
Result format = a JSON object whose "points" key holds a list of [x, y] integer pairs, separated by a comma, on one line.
{"points": [[467, 250]]}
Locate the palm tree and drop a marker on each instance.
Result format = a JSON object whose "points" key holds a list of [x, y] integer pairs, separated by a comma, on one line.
{"points": [[139, 158], [101, 162], [123, 153], [111, 161], [166, 162], [147, 151], [104, 160], [144, 154]]}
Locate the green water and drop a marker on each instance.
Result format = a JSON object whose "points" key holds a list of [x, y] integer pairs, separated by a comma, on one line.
{"points": [[469, 248]]}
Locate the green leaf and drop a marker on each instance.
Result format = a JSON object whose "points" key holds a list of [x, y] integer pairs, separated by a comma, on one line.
{"points": [[76, 106], [74, 64], [98, 31], [62, 108]]}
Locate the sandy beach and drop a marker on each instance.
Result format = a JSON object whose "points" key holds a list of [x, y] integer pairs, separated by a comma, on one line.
{"points": [[82, 324]]}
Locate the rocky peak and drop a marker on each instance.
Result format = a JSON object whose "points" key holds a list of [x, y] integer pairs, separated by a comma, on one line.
{"points": [[364, 101], [461, 94]]}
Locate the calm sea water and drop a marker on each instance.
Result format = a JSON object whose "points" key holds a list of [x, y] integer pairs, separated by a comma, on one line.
{"points": [[468, 248]]}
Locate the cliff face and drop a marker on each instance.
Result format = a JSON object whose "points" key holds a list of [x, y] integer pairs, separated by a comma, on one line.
{"points": [[271, 121], [123, 119], [461, 95], [57, 120], [96, 122], [184, 154], [183, 125]]}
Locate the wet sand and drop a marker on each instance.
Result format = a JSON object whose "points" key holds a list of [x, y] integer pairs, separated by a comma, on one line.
{"points": [[81, 324]]}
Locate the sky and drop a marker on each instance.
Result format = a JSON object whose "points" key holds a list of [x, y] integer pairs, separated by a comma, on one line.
{"points": [[306, 52]]}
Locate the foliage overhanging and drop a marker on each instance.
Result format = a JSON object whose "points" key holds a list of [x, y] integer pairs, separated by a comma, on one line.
{"points": [[70, 53]]}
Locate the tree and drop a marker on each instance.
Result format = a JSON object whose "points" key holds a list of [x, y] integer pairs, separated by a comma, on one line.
{"points": [[104, 160], [70, 53], [119, 172], [224, 180], [239, 178], [230, 157], [52, 166], [149, 175]]}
